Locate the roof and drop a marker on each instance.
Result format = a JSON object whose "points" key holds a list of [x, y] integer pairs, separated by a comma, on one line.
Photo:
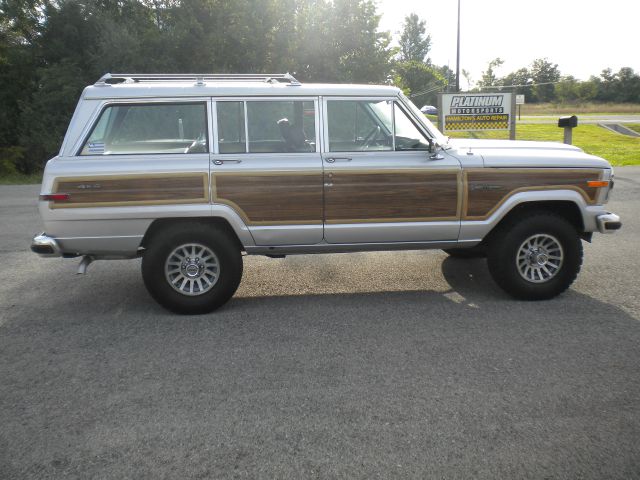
{"points": [[202, 85]]}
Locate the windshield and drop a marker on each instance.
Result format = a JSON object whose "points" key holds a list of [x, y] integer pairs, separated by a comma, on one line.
{"points": [[431, 128]]}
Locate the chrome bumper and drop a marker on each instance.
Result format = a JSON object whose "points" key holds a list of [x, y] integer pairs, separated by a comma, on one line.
{"points": [[608, 223], [45, 246]]}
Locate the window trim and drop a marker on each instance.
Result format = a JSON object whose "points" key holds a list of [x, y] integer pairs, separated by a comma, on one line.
{"points": [[129, 102]]}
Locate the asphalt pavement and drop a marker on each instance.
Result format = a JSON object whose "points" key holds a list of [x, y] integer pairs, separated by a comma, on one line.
{"points": [[371, 365]]}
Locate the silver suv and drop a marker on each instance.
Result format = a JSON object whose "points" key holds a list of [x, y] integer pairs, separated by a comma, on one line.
{"points": [[190, 172]]}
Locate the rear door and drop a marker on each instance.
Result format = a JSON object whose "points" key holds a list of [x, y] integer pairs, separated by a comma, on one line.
{"points": [[267, 167], [380, 182]]}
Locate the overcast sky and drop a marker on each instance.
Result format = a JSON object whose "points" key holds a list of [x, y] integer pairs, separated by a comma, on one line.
{"points": [[582, 36]]}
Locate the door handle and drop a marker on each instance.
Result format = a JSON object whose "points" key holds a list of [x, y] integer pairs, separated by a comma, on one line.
{"points": [[219, 161], [338, 159]]}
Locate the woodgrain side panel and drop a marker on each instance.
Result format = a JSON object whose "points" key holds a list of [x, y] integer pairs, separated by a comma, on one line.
{"points": [[272, 198], [487, 189], [384, 196], [125, 190]]}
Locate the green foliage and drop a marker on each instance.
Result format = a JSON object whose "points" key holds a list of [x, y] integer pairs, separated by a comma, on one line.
{"points": [[522, 78], [414, 41], [420, 81], [9, 158], [50, 50], [489, 78], [543, 75], [571, 90]]}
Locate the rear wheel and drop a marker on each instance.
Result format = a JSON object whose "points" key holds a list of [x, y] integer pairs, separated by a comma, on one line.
{"points": [[192, 268], [536, 257]]}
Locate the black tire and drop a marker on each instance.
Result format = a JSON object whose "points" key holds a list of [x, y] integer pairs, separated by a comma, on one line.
{"points": [[466, 253], [217, 290], [509, 241]]}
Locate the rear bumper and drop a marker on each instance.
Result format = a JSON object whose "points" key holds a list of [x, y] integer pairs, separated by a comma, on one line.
{"points": [[45, 246], [608, 223]]}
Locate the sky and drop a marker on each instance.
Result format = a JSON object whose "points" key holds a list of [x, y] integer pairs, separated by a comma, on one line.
{"points": [[582, 36]]}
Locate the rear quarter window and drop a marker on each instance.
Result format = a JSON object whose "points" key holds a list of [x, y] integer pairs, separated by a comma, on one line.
{"points": [[177, 128]]}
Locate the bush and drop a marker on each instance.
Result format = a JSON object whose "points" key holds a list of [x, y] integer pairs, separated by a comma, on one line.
{"points": [[10, 158]]}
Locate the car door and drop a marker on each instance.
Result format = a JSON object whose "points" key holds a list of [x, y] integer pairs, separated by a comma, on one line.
{"points": [[267, 167], [381, 184]]}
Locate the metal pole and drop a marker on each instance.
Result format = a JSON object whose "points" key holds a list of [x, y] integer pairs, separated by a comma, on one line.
{"points": [[512, 118], [568, 135], [458, 57]]}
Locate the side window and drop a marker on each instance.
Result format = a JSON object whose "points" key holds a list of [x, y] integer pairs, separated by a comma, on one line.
{"points": [[231, 127], [407, 135], [360, 125], [281, 126], [149, 129]]}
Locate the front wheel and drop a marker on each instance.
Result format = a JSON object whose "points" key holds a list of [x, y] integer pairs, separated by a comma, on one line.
{"points": [[192, 268], [536, 257]]}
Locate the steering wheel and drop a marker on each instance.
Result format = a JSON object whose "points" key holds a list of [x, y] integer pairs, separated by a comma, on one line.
{"points": [[371, 136], [198, 145]]}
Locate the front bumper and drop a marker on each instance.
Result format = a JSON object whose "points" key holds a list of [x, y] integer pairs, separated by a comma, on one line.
{"points": [[45, 246], [608, 223]]}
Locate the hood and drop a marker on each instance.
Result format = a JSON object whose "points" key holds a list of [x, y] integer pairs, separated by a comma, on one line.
{"points": [[517, 153]]}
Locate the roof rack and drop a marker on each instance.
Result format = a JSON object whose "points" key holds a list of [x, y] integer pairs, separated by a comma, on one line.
{"points": [[198, 78]]}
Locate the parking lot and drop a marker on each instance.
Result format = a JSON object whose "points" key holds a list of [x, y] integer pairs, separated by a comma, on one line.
{"points": [[369, 365]]}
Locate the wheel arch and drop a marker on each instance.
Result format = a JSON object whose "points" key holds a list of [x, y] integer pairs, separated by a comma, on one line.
{"points": [[161, 224], [567, 209]]}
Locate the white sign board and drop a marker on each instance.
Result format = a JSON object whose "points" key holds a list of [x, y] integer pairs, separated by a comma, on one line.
{"points": [[476, 111], [519, 99]]}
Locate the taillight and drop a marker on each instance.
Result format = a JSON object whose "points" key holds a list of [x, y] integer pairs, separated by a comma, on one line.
{"points": [[54, 197]]}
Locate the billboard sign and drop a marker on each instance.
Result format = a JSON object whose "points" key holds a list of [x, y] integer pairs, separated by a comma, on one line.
{"points": [[476, 111]]}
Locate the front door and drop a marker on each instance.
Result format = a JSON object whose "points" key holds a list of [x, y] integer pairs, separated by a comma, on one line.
{"points": [[380, 182]]}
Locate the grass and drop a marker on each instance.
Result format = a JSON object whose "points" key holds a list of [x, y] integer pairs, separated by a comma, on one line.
{"points": [[20, 179], [580, 108], [616, 148]]}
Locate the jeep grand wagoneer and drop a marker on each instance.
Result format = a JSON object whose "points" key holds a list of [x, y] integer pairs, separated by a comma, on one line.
{"points": [[192, 171]]}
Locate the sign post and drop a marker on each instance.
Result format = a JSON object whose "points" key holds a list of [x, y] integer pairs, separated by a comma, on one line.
{"points": [[477, 111], [519, 102]]}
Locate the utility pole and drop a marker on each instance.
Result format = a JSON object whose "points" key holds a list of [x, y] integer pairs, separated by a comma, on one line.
{"points": [[458, 58]]}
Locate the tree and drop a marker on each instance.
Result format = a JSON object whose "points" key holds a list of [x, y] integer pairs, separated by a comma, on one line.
{"points": [[521, 79], [420, 81], [414, 42], [544, 74], [489, 78]]}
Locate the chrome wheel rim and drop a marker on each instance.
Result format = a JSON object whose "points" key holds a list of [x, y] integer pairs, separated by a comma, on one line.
{"points": [[192, 269], [539, 258]]}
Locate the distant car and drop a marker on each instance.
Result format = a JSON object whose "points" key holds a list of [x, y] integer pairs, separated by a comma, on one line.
{"points": [[429, 110]]}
